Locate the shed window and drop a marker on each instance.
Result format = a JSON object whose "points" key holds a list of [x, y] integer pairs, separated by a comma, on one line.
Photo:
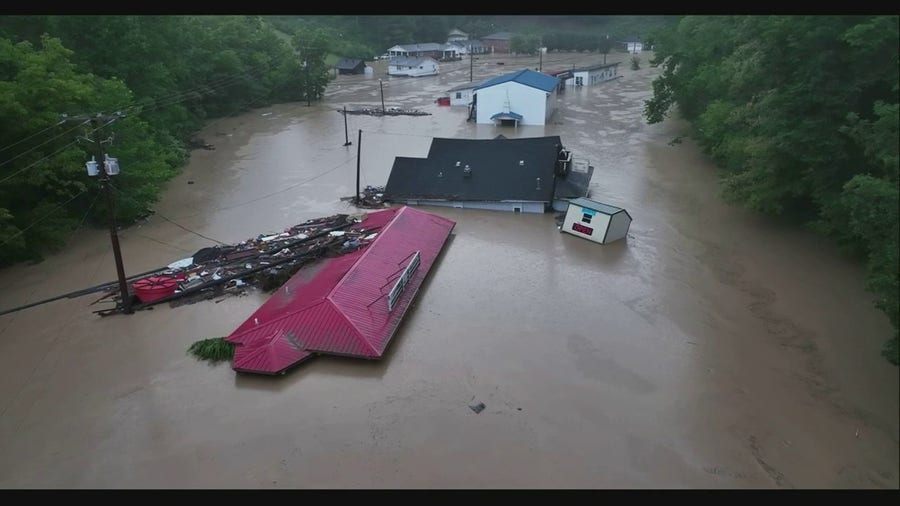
{"points": [[586, 218], [458, 94]]}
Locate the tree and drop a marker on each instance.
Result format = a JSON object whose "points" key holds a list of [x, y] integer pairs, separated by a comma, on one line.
{"points": [[525, 44], [802, 113]]}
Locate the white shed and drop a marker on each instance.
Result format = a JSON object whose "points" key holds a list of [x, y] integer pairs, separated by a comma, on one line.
{"points": [[524, 97], [595, 221]]}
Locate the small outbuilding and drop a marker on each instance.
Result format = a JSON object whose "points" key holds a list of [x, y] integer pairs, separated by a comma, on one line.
{"points": [[596, 221]]}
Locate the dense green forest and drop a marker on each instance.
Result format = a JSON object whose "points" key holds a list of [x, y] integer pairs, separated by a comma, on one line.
{"points": [[802, 114], [168, 74]]}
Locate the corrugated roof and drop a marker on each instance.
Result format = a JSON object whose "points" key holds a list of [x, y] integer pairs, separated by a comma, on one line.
{"points": [[525, 76], [425, 46], [496, 173], [347, 64], [339, 306], [597, 206], [466, 86]]}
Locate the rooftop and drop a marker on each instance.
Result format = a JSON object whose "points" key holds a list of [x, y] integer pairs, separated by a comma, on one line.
{"points": [[527, 77], [597, 206], [501, 169]]}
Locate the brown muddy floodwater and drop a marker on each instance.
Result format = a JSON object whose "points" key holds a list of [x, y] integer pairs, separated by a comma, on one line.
{"points": [[713, 348]]}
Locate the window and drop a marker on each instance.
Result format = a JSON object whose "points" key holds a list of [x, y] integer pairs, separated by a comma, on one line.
{"points": [[458, 94], [579, 81], [586, 218]]}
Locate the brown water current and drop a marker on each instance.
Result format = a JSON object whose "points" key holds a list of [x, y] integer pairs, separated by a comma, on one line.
{"points": [[713, 348]]}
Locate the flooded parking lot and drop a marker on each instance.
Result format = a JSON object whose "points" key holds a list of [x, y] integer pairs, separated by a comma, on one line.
{"points": [[713, 348]]}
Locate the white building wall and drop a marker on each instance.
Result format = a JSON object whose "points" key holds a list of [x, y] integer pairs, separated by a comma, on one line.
{"points": [[530, 102], [465, 97], [618, 227], [634, 47], [598, 224], [426, 68]]}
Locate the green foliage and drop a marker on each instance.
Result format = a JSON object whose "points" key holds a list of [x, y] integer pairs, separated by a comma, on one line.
{"points": [[168, 73], [213, 350], [525, 44], [802, 113]]}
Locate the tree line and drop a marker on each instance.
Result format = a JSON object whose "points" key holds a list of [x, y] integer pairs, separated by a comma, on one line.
{"points": [[802, 114], [168, 74]]}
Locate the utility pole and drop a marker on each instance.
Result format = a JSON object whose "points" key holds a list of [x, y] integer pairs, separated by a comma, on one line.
{"points": [[358, 151], [308, 94], [471, 63], [100, 160], [346, 134], [541, 56], [381, 84]]}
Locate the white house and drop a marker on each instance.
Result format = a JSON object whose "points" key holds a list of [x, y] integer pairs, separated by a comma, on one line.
{"points": [[633, 45], [464, 47], [457, 34], [596, 222], [413, 67], [588, 76], [524, 97], [462, 94]]}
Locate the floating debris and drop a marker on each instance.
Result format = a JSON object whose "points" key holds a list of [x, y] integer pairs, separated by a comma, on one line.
{"points": [[390, 111], [372, 197], [477, 408], [264, 262], [213, 350]]}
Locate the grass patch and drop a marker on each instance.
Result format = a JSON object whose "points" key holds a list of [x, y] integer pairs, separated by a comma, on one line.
{"points": [[213, 350]]}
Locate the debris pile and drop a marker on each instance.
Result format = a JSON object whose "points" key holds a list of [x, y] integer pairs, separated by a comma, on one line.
{"points": [[390, 111], [264, 262], [372, 197]]}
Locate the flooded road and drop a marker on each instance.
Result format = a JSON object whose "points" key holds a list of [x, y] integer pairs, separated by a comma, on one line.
{"points": [[713, 348]]}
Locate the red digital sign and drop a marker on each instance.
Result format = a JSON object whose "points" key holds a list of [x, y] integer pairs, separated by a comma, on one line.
{"points": [[578, 227]]}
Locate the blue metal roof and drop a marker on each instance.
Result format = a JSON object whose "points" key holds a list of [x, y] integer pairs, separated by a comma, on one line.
{"points": [[507, 115], [526, 77]]}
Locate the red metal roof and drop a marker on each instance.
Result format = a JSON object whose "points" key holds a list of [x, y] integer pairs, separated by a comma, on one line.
{"points": [[340, 305]]}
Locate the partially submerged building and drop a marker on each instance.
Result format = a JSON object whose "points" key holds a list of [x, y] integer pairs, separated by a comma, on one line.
{"points": [[523, 97], [350, 66], [595, 221], [409, 66], [529, 175], [349, 305]]}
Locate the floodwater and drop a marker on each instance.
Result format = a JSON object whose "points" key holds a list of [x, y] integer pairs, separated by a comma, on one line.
{"points": [[713, 348]]}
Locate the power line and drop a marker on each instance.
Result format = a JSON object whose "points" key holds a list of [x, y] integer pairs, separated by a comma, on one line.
{"points": [[129, 197], [41, 144], [285, 189], [35, 222], [32, 135], [16, 173]]}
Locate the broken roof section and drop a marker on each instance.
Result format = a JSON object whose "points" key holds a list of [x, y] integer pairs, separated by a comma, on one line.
{"points": [[349, 305]]}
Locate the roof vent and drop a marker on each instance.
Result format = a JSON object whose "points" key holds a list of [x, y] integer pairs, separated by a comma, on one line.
{"points": [[457, 164], [521, 163], [441, 174], [467, 171], [538, 183]]}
